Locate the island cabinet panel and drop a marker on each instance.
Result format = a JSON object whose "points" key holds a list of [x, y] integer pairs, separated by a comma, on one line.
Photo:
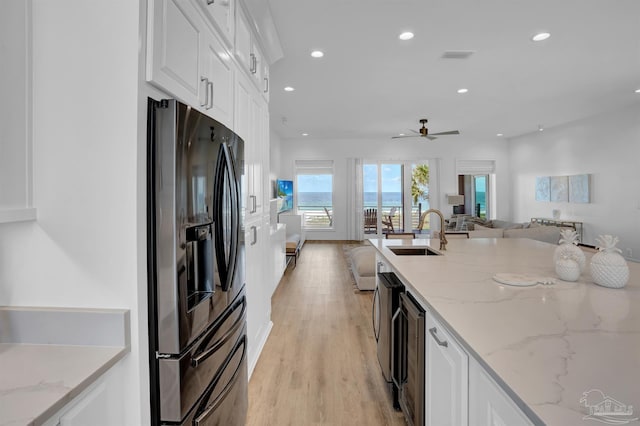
{"points": [[446, 376], [489, 405]]}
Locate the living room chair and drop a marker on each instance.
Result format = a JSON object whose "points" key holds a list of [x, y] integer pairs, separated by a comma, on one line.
{"points": [[388, 222], [370, 221]]}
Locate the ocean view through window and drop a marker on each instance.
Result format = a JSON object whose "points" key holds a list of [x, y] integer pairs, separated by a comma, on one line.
{"points": [[314, 193], [394, 196]]}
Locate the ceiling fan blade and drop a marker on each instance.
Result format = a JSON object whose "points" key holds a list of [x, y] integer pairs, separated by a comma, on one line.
{"points": [[451, 132], [414, 131], [406, 136], [431, 138]]}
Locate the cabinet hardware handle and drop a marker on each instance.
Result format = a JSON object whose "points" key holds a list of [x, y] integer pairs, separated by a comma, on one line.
{"points": [[433, 332], [380, 265], [254, 64], [206, 93], [255, 235], [254, 204], [266, 85], [210, 89]]}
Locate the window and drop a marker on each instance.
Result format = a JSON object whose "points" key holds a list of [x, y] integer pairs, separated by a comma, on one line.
{"points": [[399, 191], [476, 181], [314, 193]]}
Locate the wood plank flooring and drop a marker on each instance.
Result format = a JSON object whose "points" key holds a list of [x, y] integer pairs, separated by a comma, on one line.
{"points": [[319, 365]]}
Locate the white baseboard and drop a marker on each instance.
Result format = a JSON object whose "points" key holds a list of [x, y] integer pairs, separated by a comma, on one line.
{"points": [[262, 341]]}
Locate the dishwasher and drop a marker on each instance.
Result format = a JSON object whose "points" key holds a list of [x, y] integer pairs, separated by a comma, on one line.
{"points": [[408, 361], [386, 301]]}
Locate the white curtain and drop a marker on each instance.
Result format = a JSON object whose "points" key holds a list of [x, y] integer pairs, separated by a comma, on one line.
{"points": [[355, 213]]}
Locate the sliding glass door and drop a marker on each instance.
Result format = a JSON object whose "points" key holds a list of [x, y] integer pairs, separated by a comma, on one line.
{"points": [[395, 193]]}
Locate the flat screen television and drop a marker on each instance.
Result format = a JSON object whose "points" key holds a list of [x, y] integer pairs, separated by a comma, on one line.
{"points": [[285, 194]]}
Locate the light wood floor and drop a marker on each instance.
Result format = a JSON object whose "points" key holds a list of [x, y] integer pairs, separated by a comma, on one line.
{"points": [[319, 365]]}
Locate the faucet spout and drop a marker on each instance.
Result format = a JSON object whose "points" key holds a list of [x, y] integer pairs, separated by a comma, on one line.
{"points": [[443, 238]]}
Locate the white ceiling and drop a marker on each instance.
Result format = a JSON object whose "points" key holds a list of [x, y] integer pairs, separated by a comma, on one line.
{"points": [[371, 85]]}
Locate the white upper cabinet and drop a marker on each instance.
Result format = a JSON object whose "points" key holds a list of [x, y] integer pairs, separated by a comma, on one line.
{"points": [[218, 76], [248, 53], [186, 59], [221, 13], [173, 50]]}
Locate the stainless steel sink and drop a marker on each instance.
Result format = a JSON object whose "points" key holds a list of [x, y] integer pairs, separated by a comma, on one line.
{"points": [[414, 251]]}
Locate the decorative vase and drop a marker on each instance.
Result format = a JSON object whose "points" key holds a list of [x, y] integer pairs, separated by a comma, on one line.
{"points": [[608, 267], [567, 269], [569, 248]]}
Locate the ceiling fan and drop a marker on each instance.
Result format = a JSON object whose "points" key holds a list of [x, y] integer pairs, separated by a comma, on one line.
{"points": [[424, 132]]}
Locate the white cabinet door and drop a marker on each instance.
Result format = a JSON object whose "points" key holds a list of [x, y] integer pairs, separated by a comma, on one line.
{"points": [[489, 405], [221, 14], [446, 381], [250, 119], [244, 40], [217, 74], [249, 54], [175, 37]]}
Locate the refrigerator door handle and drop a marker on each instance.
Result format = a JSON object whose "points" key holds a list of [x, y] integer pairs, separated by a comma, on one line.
{"points": [[197, 360], [201, 418], [225, 180]]}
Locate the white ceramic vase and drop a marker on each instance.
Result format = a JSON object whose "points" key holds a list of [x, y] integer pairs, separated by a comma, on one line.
{"points": [[608, 267]]}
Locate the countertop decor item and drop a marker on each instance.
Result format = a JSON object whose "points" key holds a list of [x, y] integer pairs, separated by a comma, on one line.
{"points": [[568, 248], [568, 268], [608, 267]]}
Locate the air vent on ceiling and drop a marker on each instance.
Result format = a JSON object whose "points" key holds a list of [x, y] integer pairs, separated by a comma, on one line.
{"points": [[457, 54]]}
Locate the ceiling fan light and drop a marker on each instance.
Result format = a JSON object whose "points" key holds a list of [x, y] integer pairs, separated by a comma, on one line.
{"points": [[407, 35], [541, 36]]}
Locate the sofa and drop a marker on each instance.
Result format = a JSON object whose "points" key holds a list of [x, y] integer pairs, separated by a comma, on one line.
{"points": [[477, 228]]}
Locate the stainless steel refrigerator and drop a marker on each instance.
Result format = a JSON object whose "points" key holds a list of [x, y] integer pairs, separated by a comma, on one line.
{"points": [[197, 304]]}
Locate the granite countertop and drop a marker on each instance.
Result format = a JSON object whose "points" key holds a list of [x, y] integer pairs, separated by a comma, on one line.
{"points": [[546, 345], [48, 356]]}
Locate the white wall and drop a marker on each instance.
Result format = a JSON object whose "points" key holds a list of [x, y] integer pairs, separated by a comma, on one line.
{"points": [[83, 251], [608, 148], [446, 149]]}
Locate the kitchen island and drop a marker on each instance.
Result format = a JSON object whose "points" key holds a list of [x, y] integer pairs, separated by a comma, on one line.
{"points": [[553, 349]]}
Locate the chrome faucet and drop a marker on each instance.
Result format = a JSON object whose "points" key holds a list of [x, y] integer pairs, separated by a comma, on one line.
{"points": [[443, 238]]}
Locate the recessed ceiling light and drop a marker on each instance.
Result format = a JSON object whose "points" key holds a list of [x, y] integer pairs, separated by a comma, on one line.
{"points": [[463, 90], [317, 53], [541, 36], [499, 135], [540, 128], [289, 89], [407, 35], [401, 134], [637, 90], [305, 134]]}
